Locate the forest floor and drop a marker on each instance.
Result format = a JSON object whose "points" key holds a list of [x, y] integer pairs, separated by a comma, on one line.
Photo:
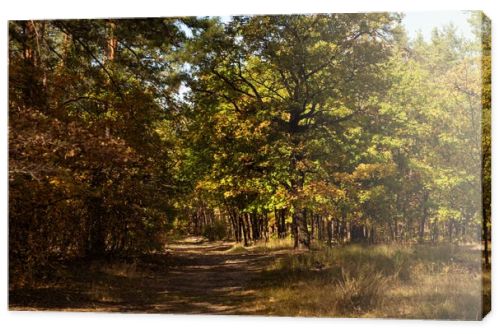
{"points": [[193, 276]]}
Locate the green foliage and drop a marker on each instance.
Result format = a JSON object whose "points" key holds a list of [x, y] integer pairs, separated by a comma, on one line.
{"points": [[328, 126]]}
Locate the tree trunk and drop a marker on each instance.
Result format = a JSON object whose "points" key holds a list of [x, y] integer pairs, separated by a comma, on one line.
{"points": [[277, 222], [330, 232], [283, 223], [421, 227], [306, 235], [313, 221], [96, 246], [302, 233], [234, 223], [245, 235], [485, 236], [266, 226], [320, 228], [295, 231], [247, 227]]}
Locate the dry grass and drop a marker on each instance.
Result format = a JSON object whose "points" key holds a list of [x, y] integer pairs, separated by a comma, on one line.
{"points": [[271, 245], [117, 269], [387, 281], [429, 282]]}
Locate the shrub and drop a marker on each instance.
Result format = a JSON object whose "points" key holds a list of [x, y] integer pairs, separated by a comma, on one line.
{"points": [[215, 231], [360, 290]]}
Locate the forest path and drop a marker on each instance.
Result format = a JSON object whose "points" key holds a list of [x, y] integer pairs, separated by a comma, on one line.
{"points": [[191, 276], [205, 278]]}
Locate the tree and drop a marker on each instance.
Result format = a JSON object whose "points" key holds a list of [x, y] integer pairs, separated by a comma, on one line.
{"points": [[86, 174], [299, 77], [329, 128]]}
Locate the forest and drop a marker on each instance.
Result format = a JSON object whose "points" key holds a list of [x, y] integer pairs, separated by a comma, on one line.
{"points": [[330, 151]]}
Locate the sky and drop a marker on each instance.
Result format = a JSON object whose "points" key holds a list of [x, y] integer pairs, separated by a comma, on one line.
{"points": [[426, 21]]}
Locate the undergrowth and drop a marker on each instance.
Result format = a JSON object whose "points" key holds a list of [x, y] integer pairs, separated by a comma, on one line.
{"points": [[395, 281]]}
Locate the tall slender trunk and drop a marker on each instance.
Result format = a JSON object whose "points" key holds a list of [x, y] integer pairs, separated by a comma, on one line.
{"points": [[485, 237], [265, 229], [305, 230], [330, 232], [421, 227], [297, 177], [277, 220], [313, 222], [247, 227], [244, 228], [320, 227], [234, 223], [283, 223], [112, 43], [295, 231], [435, 232], [451, 224]]}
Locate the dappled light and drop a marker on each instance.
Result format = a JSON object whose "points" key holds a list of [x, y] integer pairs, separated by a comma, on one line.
{"points": [[326, 165]]}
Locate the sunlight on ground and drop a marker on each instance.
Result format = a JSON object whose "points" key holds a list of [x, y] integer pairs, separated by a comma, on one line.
{"points": [[270, 278], [432, 282]]}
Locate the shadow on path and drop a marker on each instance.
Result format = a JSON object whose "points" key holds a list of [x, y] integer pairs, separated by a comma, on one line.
{"points": [[190, 277]]}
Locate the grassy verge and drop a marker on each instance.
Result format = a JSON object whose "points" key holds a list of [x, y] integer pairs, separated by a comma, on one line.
{"points": [[388, 281], [271, 245]]}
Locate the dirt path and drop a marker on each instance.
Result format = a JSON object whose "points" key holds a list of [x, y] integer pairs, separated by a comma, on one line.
{"points": [[192, 277], [207, 279]]}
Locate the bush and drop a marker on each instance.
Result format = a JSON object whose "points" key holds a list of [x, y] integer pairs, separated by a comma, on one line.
{"points": [[215, 231], [361, 290]]}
